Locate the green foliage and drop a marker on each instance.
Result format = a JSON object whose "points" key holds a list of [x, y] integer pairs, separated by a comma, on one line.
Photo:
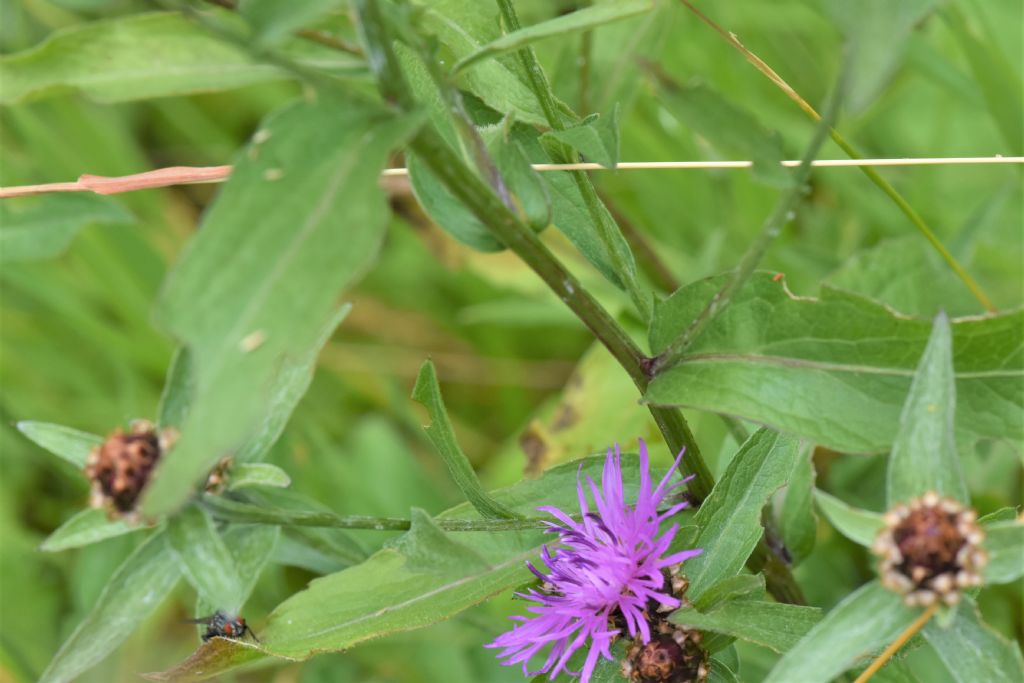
{"points": [[730, 519], [580, 20], [251, 366], [329, 521], [595, 138], [138, 57], [845, 363], [867, 620], [440, 432], [69, 444], [860, 526], [137, 588], [87, 527], [924, 456], [972, 651], [46, 230], [773, 625], [204, 558]]}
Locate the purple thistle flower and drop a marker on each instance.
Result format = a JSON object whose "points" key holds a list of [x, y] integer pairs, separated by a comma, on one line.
{"points": [[609, 566]]}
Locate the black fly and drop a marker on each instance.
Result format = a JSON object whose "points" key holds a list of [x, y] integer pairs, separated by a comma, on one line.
{"points": [[221, 625]]}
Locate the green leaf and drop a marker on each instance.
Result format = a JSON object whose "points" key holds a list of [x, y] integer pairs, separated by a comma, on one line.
{"points": [[973, 651], [440, 432], [739, 587], [272, 21], [924, 456], [580, 20], [835, 370], [425, 578], [465, 27], [292, 379], [774, 625], [178, 390], [87, 527], [720, 672], [527, 190], [797, 522], [597, 138], [137, 588], [999, 80], [1004, 543], [204, 559], [254, 296], [141, 56], [217, 654], [727, 126], [46, 228], [866, 620], [257, 474], [730, 518], [908, 275], [70, 444], [250, 548], [878, 31], [860, 526]]}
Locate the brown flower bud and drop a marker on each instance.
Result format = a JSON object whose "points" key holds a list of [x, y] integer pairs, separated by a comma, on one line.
{"points": [[930, 549], [120, 467], [672, 656]]}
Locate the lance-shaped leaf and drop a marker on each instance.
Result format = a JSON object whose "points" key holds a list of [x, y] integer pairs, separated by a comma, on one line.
{"points": [[255, 294], [1004, 543], [868, 619], [580, 20], [860, 526], [204, 559], [47, 228], [67, 443], [143, 56], [835, 369], [973, 651], [464, 28], [136, 589], [774, 625], [797, 522], [924, 456], [442, 435], [597, 138], [257, 474], [730, 518], [86, 527]]}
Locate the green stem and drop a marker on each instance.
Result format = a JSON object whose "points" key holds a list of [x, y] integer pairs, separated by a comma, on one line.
{"points": [[771, 229], [478, 197], [606, 231], [247, 513]]}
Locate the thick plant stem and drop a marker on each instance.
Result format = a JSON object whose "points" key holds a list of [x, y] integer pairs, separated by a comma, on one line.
{"points": [[479, 198], [873, 175], [771, 229], [542, 89]]}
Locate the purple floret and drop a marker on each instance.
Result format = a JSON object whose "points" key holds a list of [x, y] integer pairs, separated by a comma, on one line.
{"points": [[609, 564]]}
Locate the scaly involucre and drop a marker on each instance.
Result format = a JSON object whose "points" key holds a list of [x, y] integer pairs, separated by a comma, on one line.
{"points": [[608, 568]]}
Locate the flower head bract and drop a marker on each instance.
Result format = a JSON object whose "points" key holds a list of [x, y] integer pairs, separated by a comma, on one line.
{"points": [[607, 571]]}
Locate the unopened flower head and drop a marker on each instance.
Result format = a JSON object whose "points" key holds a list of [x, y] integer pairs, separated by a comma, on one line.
{"points": [[930, 549], [608, 570]]}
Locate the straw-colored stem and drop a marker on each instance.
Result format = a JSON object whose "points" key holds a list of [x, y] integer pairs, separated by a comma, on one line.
{"points": [[888, 652]]}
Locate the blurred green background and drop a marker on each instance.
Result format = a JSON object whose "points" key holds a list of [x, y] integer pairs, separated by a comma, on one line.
{"points": [[522, 381]]}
